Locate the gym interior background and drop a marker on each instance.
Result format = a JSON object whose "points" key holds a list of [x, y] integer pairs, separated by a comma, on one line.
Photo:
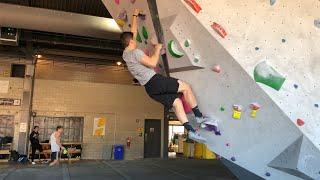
{"points": [[70, 80]]}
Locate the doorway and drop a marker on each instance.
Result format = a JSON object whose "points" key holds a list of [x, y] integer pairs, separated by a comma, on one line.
{"points": [[152, 138]]}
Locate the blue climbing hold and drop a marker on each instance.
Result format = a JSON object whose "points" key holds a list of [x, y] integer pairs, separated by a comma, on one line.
{"points": [[233, 159], [295, 86], [268, 174], [316, 105]]}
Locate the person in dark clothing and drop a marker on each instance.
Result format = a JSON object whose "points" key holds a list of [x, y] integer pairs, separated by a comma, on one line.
{"points": [[35, 144]]}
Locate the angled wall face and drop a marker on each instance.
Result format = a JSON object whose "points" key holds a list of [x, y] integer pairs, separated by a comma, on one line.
{"points": [[281, 38], [284, 48]]}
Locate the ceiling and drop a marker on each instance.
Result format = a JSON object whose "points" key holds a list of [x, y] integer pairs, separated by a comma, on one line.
{"points": [[87, 7]]}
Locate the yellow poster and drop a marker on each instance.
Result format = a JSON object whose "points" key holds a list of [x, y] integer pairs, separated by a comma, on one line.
{"points": [[99, 126]]}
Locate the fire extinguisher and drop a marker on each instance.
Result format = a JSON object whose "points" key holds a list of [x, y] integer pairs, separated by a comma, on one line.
{"points": [[128, 142]]}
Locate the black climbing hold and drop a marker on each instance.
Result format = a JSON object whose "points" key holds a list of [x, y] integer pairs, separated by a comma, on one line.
{"points": [[268, 174], [295, 86], [233, 159], [257, 48], [283, 40], [316, 105], [146, 42]]}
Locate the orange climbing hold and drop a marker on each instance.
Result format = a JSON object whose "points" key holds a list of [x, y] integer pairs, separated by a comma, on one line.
{"points": [[300, 122], [194, 5], [219, 29]]}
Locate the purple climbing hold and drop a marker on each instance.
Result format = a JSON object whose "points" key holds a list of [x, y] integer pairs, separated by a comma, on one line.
{"points": [[233, 159], [228, 144], [268, 174], [295, 86]]}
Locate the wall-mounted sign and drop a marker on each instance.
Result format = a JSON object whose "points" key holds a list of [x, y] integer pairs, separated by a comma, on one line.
{"points": [[99, 126], [10, 102], [23, 127]]}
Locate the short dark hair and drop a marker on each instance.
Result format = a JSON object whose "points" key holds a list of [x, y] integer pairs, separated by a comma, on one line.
{"points": [[59, 127], [34, 127], [125, 38]]}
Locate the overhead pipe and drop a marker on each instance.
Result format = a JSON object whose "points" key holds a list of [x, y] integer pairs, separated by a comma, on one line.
{"points": [[24, 17]]}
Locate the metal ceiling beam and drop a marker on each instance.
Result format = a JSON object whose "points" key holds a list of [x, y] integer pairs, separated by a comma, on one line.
{"points": [[24, 17]]}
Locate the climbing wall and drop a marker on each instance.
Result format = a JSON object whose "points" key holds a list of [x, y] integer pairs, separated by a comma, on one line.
{"points": [[122, 11], [254, 66]]}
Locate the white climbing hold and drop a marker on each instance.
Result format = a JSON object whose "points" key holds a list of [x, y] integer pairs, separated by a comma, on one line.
{"points": [[173, 50]]}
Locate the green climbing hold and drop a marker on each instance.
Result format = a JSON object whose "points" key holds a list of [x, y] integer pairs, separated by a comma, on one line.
{"points": [[138, 38], [173, 50], [187, 43], [265, 74], [145, 32], [222, 109]]}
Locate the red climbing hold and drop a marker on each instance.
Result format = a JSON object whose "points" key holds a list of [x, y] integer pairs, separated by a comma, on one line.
{"points": [[194, 5], [219, 29], [117, 1], [300, 122], [132, 1]]}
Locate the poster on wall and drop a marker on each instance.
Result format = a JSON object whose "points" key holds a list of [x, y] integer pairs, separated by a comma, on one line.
{"points": [[4, 87], [99, 126], [23, 127]]}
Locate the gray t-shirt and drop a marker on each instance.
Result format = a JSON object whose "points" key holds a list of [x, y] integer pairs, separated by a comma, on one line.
{"points": [[142, 73]]}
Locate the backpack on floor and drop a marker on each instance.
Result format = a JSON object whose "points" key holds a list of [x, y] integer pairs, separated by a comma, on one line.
{"points": [[23, 159], [14, 156]]}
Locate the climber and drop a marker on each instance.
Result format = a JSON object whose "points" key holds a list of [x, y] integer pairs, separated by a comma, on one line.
{"points": [[165, 90]]}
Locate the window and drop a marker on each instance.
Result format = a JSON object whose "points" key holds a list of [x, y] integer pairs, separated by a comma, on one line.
{"points": [[18, 70], [73, 127], [6, 125]]}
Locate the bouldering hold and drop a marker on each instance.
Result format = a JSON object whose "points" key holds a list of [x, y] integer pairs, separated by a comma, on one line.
{"points": [[219, 29], [283, 40], [173, 50], [233, 159], [196, 59], [120, 22], [265, 74], [255, 106], [139, 39], [194, 5], [228, 144], [317, 23], [237, 111], [187, 43], [145, 42], [187, 108], [268, 174], [142, 16], [132, 1], [216, 69], [123, 15], [295, 86], [316, 105], [300, 122], [211, 126], [272, 2], [117, 1], [145, 33], [254, 109], [222, 109], [257, 48]]}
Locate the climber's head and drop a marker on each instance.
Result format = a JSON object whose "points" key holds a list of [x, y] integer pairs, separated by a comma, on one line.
{"points": [[127, 40]]}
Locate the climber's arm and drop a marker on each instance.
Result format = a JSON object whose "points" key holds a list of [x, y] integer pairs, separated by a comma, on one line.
{"points": [[134, 24]]}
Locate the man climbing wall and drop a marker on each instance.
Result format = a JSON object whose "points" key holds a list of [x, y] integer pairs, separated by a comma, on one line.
{"points": [[162, 89]]}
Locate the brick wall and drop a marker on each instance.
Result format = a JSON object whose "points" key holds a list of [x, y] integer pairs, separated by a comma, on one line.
{"points": [[124, 106]]}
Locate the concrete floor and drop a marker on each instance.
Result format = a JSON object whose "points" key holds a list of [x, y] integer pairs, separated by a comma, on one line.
{"points": [[155, 169]]}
